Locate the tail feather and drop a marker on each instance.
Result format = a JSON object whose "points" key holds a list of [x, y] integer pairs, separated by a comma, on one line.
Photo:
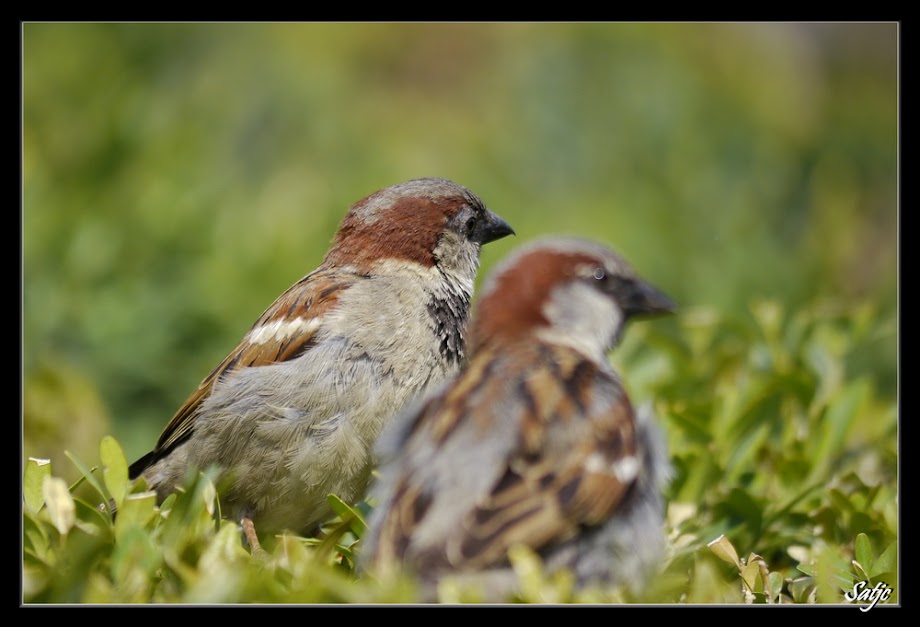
{"points": [[135, 469]]}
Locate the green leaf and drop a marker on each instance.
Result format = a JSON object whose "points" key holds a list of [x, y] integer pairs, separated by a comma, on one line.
{"points": [[837, 422], [60, 503], [745, 447], [91, 520], [891, 580], [348, 514], [189, 515], [135, 511], [34, 581], [861, 574], [529, 570], [115, 468], [802, 589], [886, 562], [209, 494], [752, 578], [842, 578], [808, 569], [724, 549], [35, 537], [833, 575], [864, 552], [774, 585], [36, 471], [329, 544], [90, 478], [135, 551]]}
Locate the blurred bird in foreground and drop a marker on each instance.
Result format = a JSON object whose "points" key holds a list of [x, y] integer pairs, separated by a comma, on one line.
{"points": [[535, 442], [292, 413]]}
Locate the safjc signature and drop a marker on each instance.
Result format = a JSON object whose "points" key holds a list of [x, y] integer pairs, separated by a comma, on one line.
{"points": [[862, 594]]}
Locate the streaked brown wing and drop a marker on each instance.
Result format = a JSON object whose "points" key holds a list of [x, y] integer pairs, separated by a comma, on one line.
{"points": [[559, 475], [308, 299], [431, 423], [564, 473]]}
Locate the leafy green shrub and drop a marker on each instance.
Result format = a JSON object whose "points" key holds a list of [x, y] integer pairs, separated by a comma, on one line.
{"points": [[784, 450]]}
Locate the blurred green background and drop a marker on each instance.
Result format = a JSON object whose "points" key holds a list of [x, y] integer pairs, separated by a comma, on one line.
{"points": [[178, 177]]}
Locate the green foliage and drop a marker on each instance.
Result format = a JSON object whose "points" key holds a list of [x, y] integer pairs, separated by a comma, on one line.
{"points": [[778, 454], [179, 552], [776, 446]]}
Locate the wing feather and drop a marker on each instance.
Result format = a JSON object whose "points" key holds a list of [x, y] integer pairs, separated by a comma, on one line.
{"points": [[295, 316], [572, 464]]}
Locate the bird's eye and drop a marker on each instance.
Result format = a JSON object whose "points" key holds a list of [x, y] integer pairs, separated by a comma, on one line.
{"points": [[470, 225], [600, 274]]}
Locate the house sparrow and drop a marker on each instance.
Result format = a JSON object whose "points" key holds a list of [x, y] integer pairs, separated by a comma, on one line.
{"points": [[291, 414], [535, 442]]}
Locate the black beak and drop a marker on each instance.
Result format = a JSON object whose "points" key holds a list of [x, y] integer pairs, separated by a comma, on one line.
{"points": [[491, 229], [638, 298]]}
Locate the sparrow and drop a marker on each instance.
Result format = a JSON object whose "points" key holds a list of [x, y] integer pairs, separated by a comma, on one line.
{"points": [[535, 442], [291, 414]]}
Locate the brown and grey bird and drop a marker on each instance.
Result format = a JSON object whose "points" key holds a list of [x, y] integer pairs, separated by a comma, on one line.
{"points": [[535, 442], [291, 414]]}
